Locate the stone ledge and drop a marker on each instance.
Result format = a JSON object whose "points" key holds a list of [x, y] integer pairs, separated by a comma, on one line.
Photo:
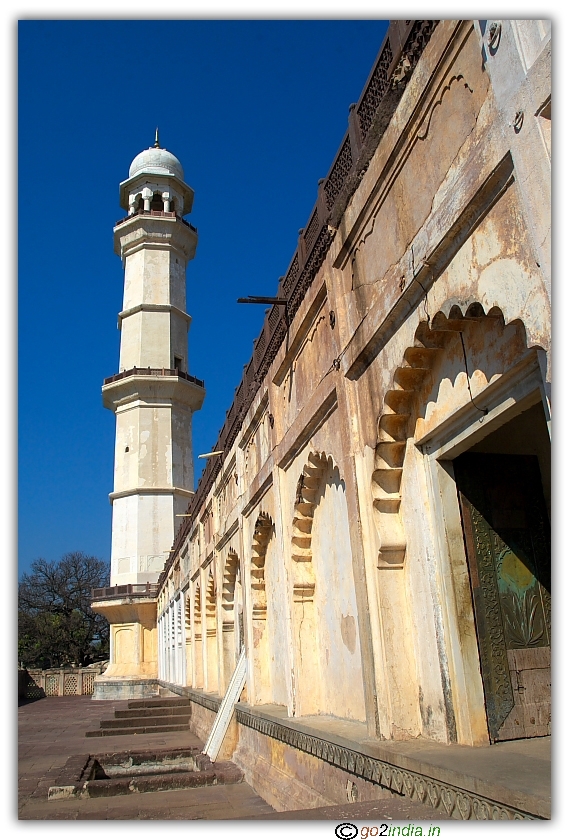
{"points": [[460, 795], [209, 701]]}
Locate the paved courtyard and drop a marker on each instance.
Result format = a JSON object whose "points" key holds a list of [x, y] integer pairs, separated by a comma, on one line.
{"points": [[53, 729]]}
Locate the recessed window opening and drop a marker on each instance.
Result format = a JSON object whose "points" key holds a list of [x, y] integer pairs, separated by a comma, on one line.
{"points": [[157, 203], [178, 362]]}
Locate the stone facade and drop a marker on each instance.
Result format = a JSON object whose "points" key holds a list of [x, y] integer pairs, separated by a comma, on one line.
{"points": [[339, 536]]}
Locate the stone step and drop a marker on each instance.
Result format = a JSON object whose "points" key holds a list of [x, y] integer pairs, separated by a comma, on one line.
{"points": [[137, 730], [158, 702], [160, 711], [155, 720]]}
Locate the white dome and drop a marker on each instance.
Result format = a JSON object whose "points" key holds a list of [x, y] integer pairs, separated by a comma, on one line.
{"points": [[156, 162]]}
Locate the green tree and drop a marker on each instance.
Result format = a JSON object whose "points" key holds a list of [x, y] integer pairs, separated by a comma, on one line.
{"points": [[56, 625]]}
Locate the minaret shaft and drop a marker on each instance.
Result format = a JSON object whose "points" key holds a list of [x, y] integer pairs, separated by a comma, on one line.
{"points": [[153, 398]]}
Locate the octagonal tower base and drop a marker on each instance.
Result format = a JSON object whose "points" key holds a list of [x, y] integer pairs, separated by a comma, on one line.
{"points": [[133, 668]]}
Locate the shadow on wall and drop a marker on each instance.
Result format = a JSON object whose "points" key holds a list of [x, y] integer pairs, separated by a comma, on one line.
{"points": [[28, 690]]}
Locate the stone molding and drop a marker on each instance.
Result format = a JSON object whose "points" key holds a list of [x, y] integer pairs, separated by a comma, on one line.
{"points": [[154, 307], [150, 491], [152, 390], [212, 703], [227, 535], [455, 802], [145, 231]]}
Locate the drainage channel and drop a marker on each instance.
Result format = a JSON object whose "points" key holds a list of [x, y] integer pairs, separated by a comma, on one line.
{"points": [[123, 773]]}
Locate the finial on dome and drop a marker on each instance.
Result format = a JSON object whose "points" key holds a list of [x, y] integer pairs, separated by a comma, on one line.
{"points": [[156, 141]]}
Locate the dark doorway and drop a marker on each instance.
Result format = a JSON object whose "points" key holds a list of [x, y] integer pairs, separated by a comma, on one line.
{"points": [[507, 540]]}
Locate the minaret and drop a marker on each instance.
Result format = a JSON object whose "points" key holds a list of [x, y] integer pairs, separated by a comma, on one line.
{"points": [[153, 396]]}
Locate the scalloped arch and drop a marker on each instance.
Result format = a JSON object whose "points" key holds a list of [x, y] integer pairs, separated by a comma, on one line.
{"points": [[400, 406], [198, 605], [305, 503], [262, 533], [231, 569]]}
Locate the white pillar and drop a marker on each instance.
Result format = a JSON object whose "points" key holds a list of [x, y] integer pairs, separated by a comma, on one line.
{"points": [[183, 637], [161, 648], [171, 631]]}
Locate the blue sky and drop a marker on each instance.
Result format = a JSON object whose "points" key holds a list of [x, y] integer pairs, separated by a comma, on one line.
{"points": [[255, 110]]}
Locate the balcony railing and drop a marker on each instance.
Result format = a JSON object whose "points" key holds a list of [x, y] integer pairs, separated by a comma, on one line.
{"points": [[138, 371], [159, 213], [126, 590]]}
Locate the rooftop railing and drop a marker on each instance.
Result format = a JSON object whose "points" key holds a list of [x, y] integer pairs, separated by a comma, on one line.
{"points": [[126, 590], [165, 214], [368, 119], [138, 371]]}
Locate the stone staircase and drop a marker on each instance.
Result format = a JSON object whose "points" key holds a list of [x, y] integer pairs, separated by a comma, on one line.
{"points": [[161, 714]]}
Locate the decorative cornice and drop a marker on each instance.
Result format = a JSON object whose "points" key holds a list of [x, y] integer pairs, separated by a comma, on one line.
{"points": [[152, 388], [258, 495], [227, 535], [455, 802], [154, 307], [150, 491], [309, 428]]}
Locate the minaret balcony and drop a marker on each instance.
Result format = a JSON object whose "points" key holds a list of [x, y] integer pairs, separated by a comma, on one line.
{"points": [[148, 371], [148, 383], [155, 228], [164, 214]]}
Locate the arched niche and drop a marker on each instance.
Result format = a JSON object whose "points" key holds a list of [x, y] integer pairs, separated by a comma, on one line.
{"points": [[263, 533], [211, 675], [232, 614], [328, 663], [198, 661]]}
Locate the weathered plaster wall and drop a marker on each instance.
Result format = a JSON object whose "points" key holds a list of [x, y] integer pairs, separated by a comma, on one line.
{"points": [[279, 655], [337, 641], [282, 775], [435, 290]]}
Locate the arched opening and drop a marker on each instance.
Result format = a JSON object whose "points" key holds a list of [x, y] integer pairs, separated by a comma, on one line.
{"points": [[157, 202], [466, 407]]}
